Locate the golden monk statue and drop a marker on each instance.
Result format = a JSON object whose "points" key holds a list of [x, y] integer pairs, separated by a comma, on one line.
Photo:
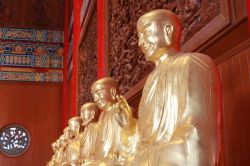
{"points": [[108, 143], [58, 147], [73, 146], [90, 115], [179, 112], [59, 151], [67, 137]]}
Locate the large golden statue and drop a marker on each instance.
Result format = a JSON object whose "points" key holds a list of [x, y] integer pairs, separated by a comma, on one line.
{"points": [[73, 144], [179, 112], [90, 115]]}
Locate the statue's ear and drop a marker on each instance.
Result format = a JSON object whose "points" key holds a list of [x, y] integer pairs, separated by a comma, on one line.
{"points": [[113, 93], [92, 114], [168, 32]]}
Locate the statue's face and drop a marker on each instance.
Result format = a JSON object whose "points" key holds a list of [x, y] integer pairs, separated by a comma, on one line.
{"points": [[61, 141], [67, 133], [57, 143], [74, 129], [86, 115], [150, 39], [103, 98], [154, 35]]}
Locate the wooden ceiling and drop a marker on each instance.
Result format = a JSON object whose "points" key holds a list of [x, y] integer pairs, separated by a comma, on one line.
{"points": [[38, 14]]}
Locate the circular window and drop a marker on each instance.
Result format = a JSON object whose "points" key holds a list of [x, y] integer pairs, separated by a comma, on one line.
{"points": [[14, 140]]}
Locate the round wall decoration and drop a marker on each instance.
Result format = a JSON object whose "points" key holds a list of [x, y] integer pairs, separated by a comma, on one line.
{"points": [[14, 140]]}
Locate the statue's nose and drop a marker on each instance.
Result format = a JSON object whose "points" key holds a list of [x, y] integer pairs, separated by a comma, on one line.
{"points": [[95, 97], [140, 42]]}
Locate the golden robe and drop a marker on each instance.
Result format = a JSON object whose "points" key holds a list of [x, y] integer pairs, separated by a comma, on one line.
{"points": [[73, 151], [59, 157], [179, 113], [88, 143], [108, 138]]}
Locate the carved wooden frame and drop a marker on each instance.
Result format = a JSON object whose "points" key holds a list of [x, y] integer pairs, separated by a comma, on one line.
{"points": [[90, 7], [212, 28]]}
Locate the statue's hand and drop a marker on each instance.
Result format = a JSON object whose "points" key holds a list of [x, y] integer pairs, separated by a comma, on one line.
{"points": [[123, 112], [86, 122]]}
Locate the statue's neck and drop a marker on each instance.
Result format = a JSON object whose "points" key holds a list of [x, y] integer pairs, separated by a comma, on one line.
{"points": [[163, 54]]}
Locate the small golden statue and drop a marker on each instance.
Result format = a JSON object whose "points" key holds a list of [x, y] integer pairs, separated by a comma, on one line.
{"points": [[180, 107], [108, 142], [59, 151], [90, 115], [73, 144]]}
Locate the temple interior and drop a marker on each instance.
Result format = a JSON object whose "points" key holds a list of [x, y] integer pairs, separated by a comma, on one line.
{"points": [[54, 55]]}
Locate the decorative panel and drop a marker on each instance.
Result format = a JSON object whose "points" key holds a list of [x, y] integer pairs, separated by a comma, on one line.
{"points": [[87, 61], [31, 35], [200, 21], [30, 75], [31, 55]]}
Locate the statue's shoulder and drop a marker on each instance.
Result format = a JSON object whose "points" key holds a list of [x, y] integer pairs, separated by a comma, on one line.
{"points": [[92, 125], [198, 58], [82, 134]]}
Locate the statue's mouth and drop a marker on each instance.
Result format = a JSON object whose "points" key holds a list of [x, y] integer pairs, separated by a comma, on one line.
{"points": [[145, 48]]}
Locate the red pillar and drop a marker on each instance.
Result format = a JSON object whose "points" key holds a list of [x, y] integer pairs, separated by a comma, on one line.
{"points": [[65, 68], [76, 37], [101, 38]]}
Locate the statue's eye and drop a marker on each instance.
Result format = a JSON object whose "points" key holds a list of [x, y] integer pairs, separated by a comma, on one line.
{"points": [[148, 32]]}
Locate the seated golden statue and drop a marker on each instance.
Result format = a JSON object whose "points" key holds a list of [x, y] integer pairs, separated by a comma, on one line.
{"points": [[58, 147], [73, 146], [59, 151], [108, 142], [90, 115], [179, 112], [67, 137]]}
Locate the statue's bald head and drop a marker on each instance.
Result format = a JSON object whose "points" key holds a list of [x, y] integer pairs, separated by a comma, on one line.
{"points": [[75, 121], [74, 125], [158, 29], [66, 129], [89, 111], [160, 16], [104, 83], [61, 140], [104, 91], [66, 132]]}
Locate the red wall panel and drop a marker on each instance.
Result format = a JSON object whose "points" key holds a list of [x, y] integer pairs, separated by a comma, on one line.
{"points": [[235, 78], [37, 107]]}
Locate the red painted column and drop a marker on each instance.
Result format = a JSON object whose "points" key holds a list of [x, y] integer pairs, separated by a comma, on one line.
{"points": [[76, 37], [101, 38], [65, 66]]}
